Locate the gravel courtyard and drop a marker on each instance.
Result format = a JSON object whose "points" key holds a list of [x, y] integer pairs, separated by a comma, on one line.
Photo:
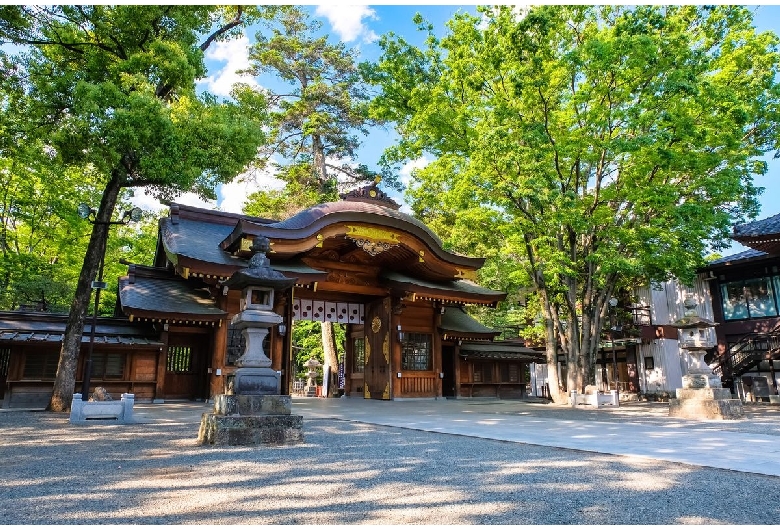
{"points": [[348, 473]]}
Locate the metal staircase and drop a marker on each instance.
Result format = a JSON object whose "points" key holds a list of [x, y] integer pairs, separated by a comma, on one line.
{"points": [[747, 353]]}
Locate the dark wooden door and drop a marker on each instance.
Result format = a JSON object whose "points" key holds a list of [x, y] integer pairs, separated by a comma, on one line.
{"points": [[377, 335], [448, 368], [185, 367]]}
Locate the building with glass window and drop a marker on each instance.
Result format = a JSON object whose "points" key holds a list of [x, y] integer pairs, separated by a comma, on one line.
{"points": [[359, 261], [746, 304]]}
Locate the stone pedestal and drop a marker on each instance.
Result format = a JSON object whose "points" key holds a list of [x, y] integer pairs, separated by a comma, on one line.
{"points": [[251, 420], [703, 398], [256, 382]]}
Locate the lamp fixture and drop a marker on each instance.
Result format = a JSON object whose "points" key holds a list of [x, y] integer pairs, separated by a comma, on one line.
{"points": [[87, 212], [282, 329]]}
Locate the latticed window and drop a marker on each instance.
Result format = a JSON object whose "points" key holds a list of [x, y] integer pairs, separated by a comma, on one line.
{"points": [[416, 351], [40, 366], [359, 357], [108, 365], [179, 359]]}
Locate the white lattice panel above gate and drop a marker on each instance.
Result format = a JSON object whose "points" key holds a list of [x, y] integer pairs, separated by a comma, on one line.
{"points": [[319, 311]]}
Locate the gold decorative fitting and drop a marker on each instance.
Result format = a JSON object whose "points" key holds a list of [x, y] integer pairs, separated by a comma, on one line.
{"points": [[185, 272], [371, 239], [245, 245], [366, 392], [422, 255], [368, 349], [466, 275], [372, 193], [319, 240], [386, 347], [376, 325], [386, 393]]}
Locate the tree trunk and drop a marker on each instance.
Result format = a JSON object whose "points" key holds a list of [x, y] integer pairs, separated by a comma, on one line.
{"points": [[65, 380], [331, 357], [551, 352]]}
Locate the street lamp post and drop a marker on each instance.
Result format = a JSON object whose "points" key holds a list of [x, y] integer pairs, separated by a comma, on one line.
{"points": [[86, 212], [613, 328]]}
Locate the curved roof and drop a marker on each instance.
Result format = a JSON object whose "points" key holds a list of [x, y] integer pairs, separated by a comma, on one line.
{"points": [[312, 220], [367, 210]]}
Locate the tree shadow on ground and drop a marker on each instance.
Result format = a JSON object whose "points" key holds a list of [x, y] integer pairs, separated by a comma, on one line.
{"points": [[347, 473]]}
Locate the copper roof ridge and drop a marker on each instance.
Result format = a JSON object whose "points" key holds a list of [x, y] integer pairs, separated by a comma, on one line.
{"points": [[228, 217]]}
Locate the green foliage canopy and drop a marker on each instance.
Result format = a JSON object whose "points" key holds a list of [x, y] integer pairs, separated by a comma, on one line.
{"points": [[593, 145]]}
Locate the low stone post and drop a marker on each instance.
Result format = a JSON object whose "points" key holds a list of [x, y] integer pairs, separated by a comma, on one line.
{"points": [[128, 400]]}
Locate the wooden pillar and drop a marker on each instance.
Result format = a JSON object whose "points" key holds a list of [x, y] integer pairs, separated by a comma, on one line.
{"points": [[437, 369], [395, 354], [522, 379], [217, 364], [457, 369], [162, 357]]}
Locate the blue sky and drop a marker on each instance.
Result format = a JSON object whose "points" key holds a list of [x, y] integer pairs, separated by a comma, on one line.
{"points": [[360, 26]]}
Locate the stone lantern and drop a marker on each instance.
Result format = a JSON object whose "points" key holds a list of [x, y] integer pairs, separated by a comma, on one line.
{"points": [[255, 412], [702, 395], [311, 385]]}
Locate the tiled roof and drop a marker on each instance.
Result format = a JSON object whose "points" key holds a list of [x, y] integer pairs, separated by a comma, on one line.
{"points": [[100, 338], [745, 255], [501, 351], [198, 240], [456, 320], [46, 327], [456, 286], [762, 227], [157, 295]]}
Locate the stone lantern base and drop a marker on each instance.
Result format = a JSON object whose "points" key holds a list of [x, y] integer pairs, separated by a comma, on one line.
{"points": [[251, 420], [702, 398]]}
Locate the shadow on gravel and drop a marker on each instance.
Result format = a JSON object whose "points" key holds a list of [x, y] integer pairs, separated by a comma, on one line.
{"points": [[347, 473]]}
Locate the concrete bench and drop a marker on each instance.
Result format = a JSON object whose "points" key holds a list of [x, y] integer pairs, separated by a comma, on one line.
{"points": [[121, 411], [596, 399]]}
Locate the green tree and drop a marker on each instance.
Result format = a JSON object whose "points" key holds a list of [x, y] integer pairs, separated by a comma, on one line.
{"points": [[317, 123], [114, 89], [38, 222], [593, 145]]}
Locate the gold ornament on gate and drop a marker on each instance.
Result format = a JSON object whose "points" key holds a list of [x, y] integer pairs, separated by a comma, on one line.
{"points": [[376, 325]]}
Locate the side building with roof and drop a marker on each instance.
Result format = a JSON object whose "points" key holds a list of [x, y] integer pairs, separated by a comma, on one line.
{"points": [[358, 261], [746, 305]]}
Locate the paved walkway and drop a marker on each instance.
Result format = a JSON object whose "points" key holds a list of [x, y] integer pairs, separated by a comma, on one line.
{"points": [[636, 430]]}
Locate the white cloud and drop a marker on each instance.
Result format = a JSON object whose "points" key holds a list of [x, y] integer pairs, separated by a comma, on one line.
{"points": [[232, 196], [406, 171], [149, 204], [235, 54], [347, 21]]}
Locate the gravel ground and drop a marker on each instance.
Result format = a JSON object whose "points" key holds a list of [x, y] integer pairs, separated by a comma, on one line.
{"points": [[348, 473]]}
